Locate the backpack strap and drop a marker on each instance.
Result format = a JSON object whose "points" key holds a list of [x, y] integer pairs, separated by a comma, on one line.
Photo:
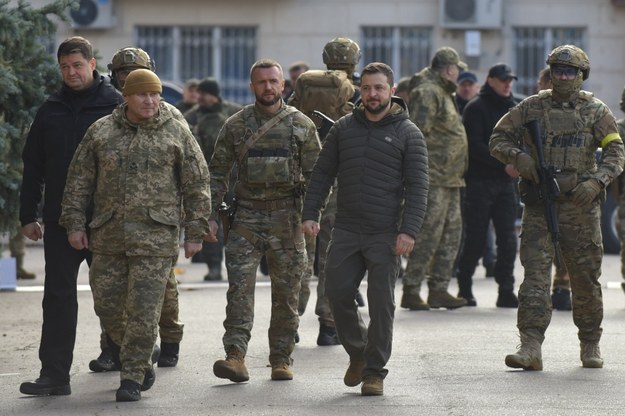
{"points": [[249, 143]]}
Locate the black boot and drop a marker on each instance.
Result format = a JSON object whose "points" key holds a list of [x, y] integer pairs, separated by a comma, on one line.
{"points": [[46, 386], [561, 299], [128, 391], [148, 379], [103, 363], [327, 336], [169, 354], [114, 349], [507, 299]]}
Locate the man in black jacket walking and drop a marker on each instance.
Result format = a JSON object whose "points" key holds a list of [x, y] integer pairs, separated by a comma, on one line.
{"points": [[58, 128], [380, 160], [490, 193]]}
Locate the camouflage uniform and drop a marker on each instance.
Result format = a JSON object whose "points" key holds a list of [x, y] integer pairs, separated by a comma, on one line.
{"points": [[146, 180], [205, 124], [571, 133], [269, 190], [433, 110]]}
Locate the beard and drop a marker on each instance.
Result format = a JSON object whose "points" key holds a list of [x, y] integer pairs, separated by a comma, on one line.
{"points": [[383, 105], [267, 102]]}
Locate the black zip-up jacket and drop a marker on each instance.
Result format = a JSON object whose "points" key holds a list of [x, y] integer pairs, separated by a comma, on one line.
{"points": [[58, 128], [479, 118], [382, 171]]}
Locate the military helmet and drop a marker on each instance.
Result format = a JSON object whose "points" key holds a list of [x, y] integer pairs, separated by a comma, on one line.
{"points": [[570, 55], [131, 58], [342, 51]]}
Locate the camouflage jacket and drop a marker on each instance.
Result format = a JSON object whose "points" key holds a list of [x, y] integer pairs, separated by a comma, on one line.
{"points": [[146, 180], [277, 166], [205, 124], [572, 132], [433, 110]]}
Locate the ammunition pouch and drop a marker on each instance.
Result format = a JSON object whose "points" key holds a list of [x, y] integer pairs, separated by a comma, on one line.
{"points": [[567, 180]]}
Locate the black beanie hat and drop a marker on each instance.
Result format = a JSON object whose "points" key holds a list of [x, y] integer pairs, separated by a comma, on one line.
{"points": [[209, 85]]}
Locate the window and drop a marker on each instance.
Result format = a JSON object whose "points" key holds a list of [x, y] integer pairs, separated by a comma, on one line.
{"points": [[405, 49], [532, 46], [184, 52]]}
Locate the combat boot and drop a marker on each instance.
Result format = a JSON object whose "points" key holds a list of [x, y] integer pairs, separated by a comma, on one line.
{"points": [[413, 302], [372, 385], [104, 362], [353, 375], [529, 356], [233, 367], [20, 272], [327, 336], [443, 299], [128, 391], [281, 371], [169, 354], [590, 355], [561, 299]]}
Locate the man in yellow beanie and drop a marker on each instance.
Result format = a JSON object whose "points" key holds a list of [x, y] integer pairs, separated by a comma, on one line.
{"points": [[147, 176]]}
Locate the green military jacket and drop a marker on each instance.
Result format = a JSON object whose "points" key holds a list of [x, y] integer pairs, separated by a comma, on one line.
{"points": [[277, 166], [146, 180], [205, 124], [433, 109]]}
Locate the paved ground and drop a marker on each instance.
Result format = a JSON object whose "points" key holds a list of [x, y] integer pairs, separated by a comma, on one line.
{"points": [[443, 363]]}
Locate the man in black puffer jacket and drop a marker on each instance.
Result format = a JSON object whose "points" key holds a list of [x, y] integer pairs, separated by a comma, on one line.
{"points": [[380, 159], [490, 193]]}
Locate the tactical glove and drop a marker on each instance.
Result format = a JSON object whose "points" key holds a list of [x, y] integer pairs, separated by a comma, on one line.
{"points": [[585, 192], [526, 166]]}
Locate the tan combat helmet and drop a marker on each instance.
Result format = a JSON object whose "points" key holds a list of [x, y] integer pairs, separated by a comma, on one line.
{"points": [[341, 51], [570, 55], [129, 59]]}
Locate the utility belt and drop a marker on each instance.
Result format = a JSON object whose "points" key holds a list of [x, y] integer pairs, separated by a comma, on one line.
{"points": [[265, 205]]}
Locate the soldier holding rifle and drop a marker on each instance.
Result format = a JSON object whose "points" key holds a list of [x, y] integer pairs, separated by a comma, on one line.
{"points": [[572, 125]]}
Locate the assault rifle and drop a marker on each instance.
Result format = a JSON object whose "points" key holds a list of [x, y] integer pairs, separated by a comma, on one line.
{"points": [[548, 190], [326, 124]]}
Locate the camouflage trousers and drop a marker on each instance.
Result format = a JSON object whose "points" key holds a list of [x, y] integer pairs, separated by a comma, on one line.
{"points": [[437, 244], [170, 327], [128, 293], [582, 251], [17, 244], [277, 235]]}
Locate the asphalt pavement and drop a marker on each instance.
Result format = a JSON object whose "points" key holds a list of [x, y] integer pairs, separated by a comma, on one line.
{"points": [[443, 362]]}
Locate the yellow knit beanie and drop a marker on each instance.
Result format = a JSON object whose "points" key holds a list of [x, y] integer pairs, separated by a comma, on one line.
{"points": [[142, 81]]}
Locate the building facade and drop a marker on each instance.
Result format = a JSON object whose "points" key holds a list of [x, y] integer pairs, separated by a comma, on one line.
{"points": [[197, 38]]}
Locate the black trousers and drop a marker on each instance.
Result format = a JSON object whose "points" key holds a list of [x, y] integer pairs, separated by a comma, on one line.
{"points": [[60, 304], [486, 200]]}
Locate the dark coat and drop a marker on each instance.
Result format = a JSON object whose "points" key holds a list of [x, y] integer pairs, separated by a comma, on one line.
{"points": [[58, 128], [479, 118], [382, 174]]}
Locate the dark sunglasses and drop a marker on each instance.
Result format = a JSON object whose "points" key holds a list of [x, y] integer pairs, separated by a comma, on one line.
{"points": [[567, 71]]}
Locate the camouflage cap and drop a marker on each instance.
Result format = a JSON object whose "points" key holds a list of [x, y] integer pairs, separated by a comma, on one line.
{"points": [[447, 56]]}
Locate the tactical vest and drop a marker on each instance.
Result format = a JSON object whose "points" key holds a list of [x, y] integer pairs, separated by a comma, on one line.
{"points": [[273, 160], [568, 140]]}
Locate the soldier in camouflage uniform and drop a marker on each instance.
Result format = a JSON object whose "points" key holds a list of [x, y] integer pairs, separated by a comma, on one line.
{"points": [[206, 119], [273, 147], [147, 176], [620, 191], [573, 125], [433, 110], [122, 64]]}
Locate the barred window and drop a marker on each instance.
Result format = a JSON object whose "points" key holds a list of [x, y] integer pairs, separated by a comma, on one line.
{"points": [[406, 49], [533, 45], [184, 52]]}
